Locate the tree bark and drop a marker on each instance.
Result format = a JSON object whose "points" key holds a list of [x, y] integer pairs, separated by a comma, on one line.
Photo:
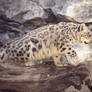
{"points": [[42, 78]]}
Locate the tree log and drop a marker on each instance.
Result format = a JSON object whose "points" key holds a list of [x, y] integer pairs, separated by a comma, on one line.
{"points": [[42, 78]]}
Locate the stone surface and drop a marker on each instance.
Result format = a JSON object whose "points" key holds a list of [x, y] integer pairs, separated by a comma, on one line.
{"points": [[79, 10], [72, 89], [23, 10]]}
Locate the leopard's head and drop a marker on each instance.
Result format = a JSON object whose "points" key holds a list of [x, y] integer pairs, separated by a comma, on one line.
{"points": [[85, 34]]}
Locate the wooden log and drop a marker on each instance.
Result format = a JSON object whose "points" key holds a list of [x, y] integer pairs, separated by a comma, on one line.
{"points": [[42, 78]]}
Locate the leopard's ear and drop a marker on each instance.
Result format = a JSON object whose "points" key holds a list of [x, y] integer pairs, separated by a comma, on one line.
{"points": [[83, 28]]}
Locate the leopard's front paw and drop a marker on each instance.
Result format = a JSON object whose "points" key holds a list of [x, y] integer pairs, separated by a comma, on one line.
{"points": [[29, 64]]}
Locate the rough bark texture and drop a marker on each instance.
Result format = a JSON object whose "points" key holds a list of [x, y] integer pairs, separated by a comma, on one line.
{"points": [[44, 78]]}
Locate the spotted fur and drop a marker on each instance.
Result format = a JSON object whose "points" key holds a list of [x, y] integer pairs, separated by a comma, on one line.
{"points": [[51, 40]]}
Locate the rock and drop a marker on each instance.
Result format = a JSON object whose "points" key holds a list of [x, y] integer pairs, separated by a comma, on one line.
{"points": [[72, 89], [36, 13], [79, 10], [24, 10], [8, 29]]}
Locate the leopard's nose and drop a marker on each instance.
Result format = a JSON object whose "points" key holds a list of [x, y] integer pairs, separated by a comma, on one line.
{"points": [[86, 42]]}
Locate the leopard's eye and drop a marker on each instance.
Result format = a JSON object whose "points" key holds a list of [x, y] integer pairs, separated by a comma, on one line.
{"points": [[89, 35]]}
